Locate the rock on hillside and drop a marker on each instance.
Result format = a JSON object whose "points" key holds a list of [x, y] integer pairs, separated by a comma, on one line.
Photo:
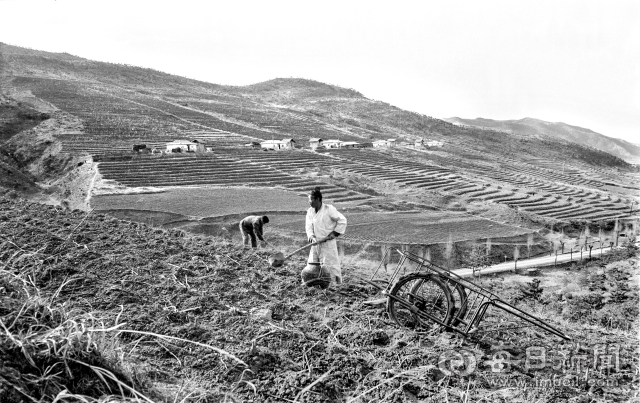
{"points": [[539, 128]]}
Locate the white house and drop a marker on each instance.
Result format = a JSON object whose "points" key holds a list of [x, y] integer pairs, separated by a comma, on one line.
{"points": [[392, 142], [434, 143], [349, 144], [332, 143], [285, 144], [380, 143], [315, 143], [419, 143], [186, 146], [271, 145]]}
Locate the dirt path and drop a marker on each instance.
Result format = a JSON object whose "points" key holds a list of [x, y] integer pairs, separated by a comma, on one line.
{"points": [[543, 261]]}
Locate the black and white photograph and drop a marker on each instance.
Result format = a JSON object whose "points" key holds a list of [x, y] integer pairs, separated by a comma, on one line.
{"points": [[303, 202]]}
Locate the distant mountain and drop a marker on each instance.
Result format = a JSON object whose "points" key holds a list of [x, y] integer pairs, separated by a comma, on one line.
{"points": [[557, 130]]}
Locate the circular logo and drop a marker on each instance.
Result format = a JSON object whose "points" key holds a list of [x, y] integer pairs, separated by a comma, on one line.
{"points": [[460, 362]]}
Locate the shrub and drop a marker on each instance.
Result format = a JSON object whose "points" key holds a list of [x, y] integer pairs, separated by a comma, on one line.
{"points": [[620, 316], [531, 290], [581, 307], [628, 250]]}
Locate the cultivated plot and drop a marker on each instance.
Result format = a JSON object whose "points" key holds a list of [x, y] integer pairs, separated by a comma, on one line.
{"points": [[205, 201], [413, 228]]}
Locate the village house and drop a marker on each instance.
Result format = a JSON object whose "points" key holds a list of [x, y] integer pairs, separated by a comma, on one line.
{"points": [[380, 143], [285, 144], [254, 145], [349, 144], [270, 145], [434, 143], [392, 142], [332, 143], [314, 143], [419, 143], [188, 146]]}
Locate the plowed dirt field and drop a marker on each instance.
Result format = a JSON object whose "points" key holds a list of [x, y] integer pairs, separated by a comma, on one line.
{"points": [[288, 343]]}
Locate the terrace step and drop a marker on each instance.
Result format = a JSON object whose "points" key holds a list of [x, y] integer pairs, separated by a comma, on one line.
{"points": [[351, 198], [535, 209], [434, 184], [577, 213], [543, 201]]}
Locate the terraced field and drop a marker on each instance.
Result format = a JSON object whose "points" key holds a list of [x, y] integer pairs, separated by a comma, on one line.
{"points": [[414, 228], [243, 166], [215, 170], [566, 197], [206, 202]]}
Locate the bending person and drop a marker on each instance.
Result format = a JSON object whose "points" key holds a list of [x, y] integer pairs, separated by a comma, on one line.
{"points": [[324, 222], [251, 227]]}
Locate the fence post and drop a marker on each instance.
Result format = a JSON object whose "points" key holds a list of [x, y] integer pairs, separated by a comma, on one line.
{"points": [[384, 256]]}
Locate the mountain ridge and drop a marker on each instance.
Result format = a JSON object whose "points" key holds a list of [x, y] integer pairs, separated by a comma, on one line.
{"points": [[557, 130]]}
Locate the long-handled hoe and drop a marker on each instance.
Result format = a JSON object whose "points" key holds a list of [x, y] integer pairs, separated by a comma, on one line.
{"points": [[278, 259]]}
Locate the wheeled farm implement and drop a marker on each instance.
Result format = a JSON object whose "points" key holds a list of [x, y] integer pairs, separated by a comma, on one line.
{"points": [[429, 298]]}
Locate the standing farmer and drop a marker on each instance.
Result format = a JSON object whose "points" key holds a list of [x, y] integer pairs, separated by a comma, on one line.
{"points": [[324, 222], [251, 227]]}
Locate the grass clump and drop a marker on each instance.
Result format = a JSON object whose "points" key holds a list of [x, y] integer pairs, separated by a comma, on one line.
{"points": [[49, 352]]}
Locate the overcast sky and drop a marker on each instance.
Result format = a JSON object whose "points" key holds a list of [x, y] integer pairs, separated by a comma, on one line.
{"points": [[576, 62]]}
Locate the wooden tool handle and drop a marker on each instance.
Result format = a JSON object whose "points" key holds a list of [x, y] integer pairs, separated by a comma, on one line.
{"points": [[304, 247]]}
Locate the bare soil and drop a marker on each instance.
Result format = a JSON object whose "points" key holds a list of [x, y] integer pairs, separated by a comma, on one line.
{"points": [[296, 343]]}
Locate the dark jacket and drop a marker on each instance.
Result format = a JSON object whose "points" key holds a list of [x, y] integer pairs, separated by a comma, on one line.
{"points": [[253, 224]]}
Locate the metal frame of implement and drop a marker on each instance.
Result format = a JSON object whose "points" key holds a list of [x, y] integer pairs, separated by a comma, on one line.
{"points": [[473, 301]]}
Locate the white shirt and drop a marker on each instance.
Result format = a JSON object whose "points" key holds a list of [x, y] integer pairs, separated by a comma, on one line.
{"points": [[324, 222]]}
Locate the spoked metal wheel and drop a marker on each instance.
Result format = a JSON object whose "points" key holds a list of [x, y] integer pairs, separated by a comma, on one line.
{"points": [[421, 302], [459, 296]]}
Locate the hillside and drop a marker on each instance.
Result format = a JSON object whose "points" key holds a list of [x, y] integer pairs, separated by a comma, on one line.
{"points": [[280, 107], [95, 112], [530, 127]]}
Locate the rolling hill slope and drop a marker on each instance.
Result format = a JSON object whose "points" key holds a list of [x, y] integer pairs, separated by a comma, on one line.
{"points": [[557, 130], [96, 111]]}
